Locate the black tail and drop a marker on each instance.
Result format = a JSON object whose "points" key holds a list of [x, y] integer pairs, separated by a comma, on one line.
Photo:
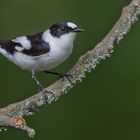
{"points": [[8, 45]]}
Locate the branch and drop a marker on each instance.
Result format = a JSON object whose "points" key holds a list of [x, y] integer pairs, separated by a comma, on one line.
{"points": [[12, 115]]}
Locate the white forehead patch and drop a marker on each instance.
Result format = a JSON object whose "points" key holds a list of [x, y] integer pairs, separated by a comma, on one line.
{"points": [[24, 41], [71, 25]]}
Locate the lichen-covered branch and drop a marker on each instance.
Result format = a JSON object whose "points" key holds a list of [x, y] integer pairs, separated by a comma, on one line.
{"points": [[12, 115]]}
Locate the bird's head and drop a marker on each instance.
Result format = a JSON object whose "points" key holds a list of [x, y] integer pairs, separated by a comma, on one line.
{"points": [[64, 28], [62, 33]]}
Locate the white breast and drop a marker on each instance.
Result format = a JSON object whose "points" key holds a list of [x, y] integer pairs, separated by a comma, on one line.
{"points": [[60, 50]]}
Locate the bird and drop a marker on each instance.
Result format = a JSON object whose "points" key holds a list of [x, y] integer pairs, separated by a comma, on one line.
{"points": [[42, 51]]}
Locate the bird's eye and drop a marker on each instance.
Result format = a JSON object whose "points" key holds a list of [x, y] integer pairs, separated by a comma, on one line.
{"points": [[63, 28]]}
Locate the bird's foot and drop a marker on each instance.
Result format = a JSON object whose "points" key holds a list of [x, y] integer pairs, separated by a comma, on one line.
{"points": [[46, 94], [68, 76], [61, 75]]}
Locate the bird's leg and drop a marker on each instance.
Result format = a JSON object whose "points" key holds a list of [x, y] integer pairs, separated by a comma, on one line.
{"points": [[41, 87], [37, 81], [61, 75]]}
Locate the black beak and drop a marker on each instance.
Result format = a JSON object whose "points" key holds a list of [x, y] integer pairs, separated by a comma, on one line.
{"points": [[78, 30]]}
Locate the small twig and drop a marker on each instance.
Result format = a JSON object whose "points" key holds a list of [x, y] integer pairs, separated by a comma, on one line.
{"points": [[12, 115]]}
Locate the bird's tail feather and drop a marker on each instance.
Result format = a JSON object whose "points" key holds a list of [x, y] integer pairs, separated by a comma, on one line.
{"points": [[2, 47]]}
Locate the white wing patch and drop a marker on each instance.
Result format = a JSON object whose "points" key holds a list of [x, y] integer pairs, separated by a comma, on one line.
{"points": [[24, 41], [71, 25], [19, 49]]}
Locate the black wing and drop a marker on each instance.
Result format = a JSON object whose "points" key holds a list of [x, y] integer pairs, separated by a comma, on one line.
{"points": [[38, 45]]}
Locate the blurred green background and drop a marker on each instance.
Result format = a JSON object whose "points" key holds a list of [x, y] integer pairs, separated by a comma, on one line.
{"points": [[106, 105]]}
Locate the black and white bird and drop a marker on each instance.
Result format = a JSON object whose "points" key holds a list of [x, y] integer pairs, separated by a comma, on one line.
{"points": [[42, 51]]}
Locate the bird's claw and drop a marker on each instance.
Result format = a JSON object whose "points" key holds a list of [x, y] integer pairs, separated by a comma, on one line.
{"points": [[68, 76], [62, 75], [46, 95]]}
